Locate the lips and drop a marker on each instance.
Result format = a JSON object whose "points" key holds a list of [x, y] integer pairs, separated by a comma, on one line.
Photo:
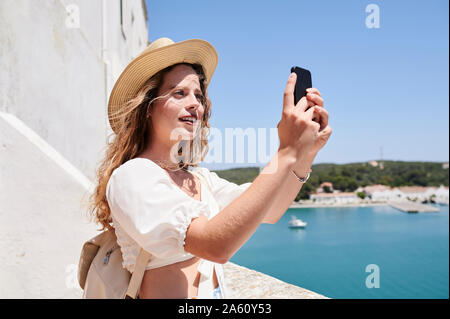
{"points": [[187, 122], [189, 116], [188, 119]]}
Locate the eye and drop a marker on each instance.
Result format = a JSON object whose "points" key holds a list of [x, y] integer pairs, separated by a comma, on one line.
{"points": [[179, 93]]}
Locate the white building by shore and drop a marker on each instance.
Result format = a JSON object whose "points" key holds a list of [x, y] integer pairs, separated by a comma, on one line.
{"points": [[334, 198], [404, 193], [438, 194], [382, 193]]}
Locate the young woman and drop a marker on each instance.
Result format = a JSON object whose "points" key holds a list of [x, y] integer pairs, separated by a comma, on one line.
{"points": [[150, 188]]}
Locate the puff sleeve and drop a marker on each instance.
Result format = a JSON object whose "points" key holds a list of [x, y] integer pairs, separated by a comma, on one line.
{"points": [[152, 210], [223, 191]]}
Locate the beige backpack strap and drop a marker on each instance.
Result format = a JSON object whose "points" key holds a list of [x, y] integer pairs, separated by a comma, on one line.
{"points": [[138, 274]]}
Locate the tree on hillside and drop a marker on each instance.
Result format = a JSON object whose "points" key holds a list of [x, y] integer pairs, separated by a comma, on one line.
{"points": [[306, 190], [327, 189]]}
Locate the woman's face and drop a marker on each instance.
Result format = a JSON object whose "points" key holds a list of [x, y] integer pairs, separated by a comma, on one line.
{"points": [[185, 99]]}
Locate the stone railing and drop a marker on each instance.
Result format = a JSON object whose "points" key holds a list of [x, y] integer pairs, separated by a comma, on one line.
{"points": [[244, 283]]}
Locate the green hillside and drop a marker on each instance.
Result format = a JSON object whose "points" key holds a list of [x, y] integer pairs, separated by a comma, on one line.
{"points": [[348, 177]]}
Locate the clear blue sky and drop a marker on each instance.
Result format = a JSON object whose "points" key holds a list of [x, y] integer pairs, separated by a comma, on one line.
{"points": [[385, 87]]}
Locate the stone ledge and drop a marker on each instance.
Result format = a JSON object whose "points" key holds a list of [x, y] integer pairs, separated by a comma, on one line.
{"points": [[244, 283]]}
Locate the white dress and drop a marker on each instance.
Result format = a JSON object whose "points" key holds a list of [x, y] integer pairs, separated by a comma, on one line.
{"points": [[148, 210]]}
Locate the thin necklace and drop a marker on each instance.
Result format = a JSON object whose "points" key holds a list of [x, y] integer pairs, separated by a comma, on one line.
{"points": [[169, 168]]}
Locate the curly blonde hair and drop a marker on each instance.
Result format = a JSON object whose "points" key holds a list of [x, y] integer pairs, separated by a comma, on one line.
{"points": [[132, 137]]}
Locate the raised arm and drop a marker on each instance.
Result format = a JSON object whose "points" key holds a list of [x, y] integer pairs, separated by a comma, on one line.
{"points": [[292, 186], [219, 238], [289, 189]]}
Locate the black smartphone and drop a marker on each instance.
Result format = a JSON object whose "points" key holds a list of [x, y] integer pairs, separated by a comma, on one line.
{"points": [[303, 82]]}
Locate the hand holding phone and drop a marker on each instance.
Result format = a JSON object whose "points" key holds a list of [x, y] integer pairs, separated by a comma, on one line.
{"points": [[303, 82], [297, 131]]}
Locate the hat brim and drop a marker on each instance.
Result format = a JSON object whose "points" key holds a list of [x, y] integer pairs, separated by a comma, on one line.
{"points": [[149, 63]]}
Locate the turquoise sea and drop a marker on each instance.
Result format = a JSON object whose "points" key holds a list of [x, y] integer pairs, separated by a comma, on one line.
{"points": [[330, 255]]}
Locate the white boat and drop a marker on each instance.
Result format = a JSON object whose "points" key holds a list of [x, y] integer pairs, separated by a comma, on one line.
{"points": [[297, 223]]}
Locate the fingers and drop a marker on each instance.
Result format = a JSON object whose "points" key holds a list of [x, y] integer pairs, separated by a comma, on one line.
{"points": [[288, 97], [313, 90], [315, 98], [326, 132], [304, 104], [323, 116], [311, 104], [310, 114]]}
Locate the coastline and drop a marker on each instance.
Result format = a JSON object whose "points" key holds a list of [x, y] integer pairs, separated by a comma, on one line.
{"points": [[297, 205], [308, 205]]}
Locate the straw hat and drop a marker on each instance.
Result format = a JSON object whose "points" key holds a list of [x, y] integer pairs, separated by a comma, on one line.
{"points": [[158, 55]]}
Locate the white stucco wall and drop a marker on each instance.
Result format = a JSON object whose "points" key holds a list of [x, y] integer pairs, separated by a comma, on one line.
{"points": [[57, 78]]}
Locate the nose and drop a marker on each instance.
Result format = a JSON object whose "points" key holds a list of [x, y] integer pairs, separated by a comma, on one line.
{"points": [[192, 101]]}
